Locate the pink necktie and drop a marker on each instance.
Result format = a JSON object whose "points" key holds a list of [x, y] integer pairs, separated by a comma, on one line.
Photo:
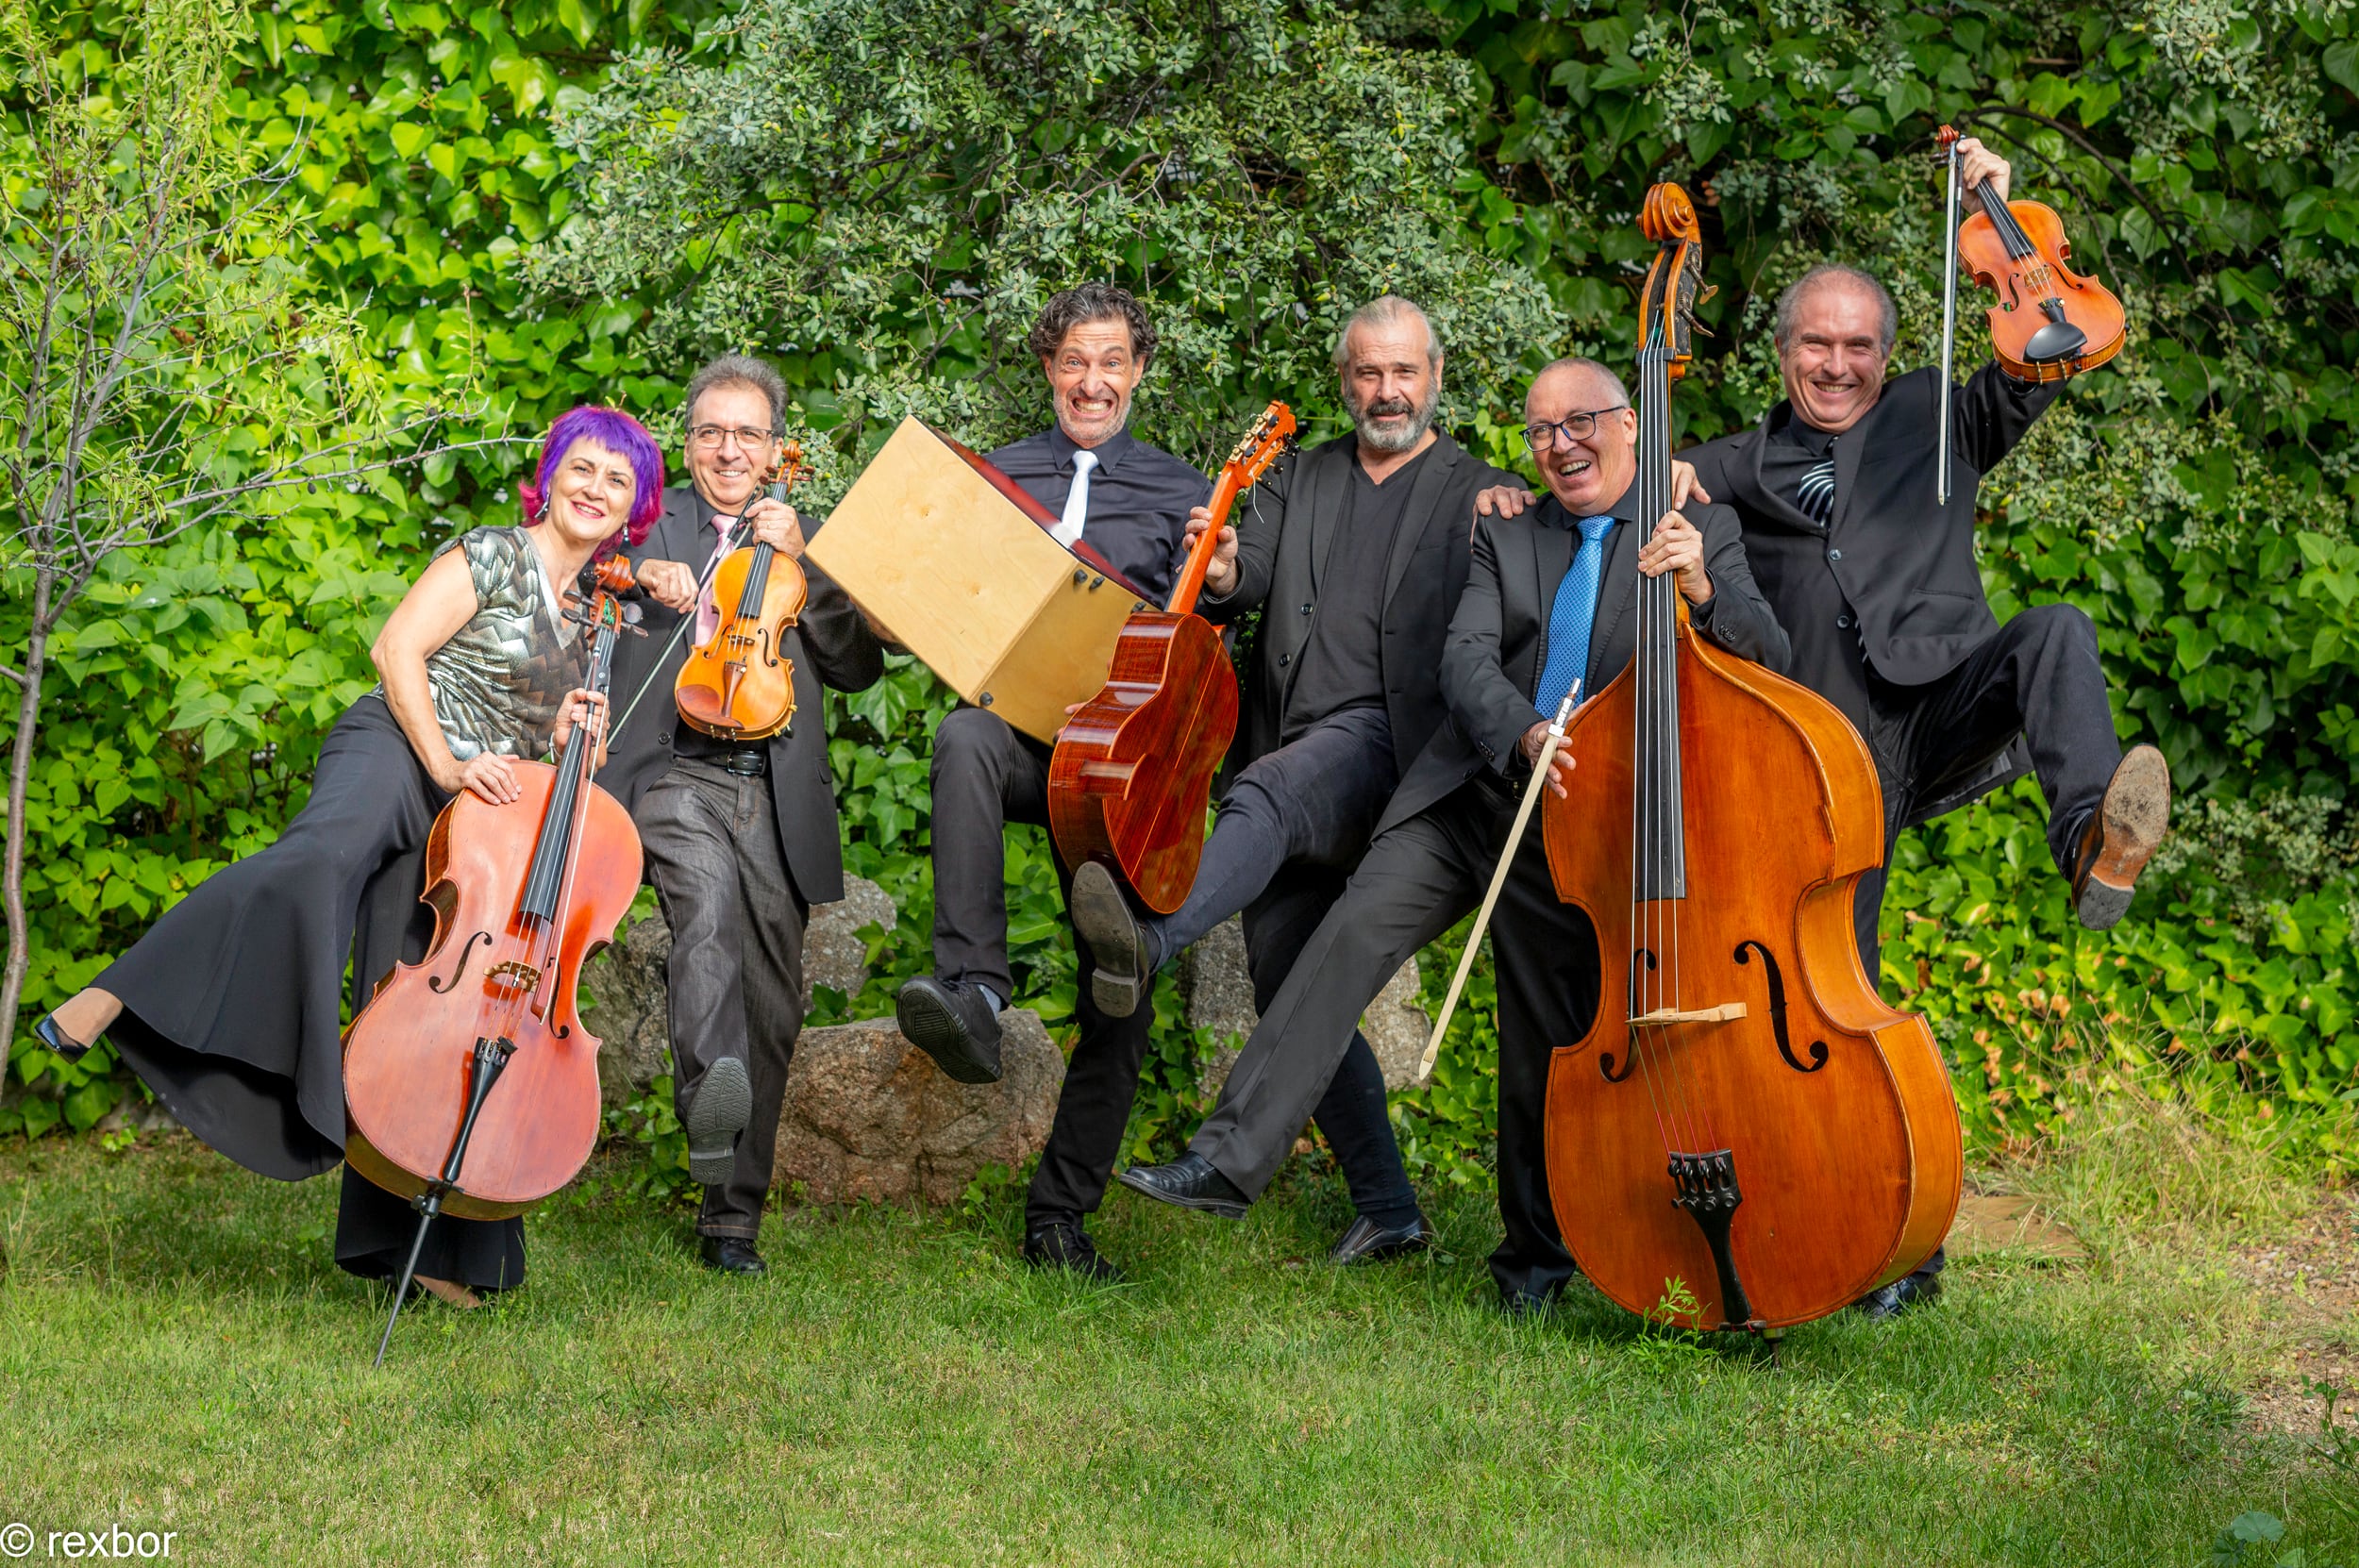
{"points": [[708, 608]]}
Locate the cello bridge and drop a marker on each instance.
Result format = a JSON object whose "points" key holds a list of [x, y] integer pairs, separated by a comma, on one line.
{"points": [[514, 977]]}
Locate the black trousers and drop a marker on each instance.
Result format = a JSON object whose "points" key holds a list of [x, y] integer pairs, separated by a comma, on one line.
{"points": [[1295, 823], [985, 776], [2037, 676], [1419, 879], [231, 1002], [735, 977]]}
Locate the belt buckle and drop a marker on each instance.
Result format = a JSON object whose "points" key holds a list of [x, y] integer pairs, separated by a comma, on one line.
{"points": [[746, 763]]}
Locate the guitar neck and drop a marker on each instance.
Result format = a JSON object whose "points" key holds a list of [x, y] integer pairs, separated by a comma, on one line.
{"points": [[1224, 490]]}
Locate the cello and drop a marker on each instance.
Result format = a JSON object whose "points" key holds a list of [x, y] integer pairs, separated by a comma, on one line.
{"points": [[1745, 1137], [524, 894], [1132, 771], [735, 684]]}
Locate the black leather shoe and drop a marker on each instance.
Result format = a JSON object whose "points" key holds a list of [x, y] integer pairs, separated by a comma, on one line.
{"points": [[1365, 1242], [952, 1024], [1191, 1182], [2121, 837], [1064, 1244], [1125, 971], [47, 1032], [730, 1255], [1889, 1301], [1523, 1305], [723, 1103]]}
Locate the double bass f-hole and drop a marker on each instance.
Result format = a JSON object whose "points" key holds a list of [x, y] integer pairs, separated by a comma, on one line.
{"points": [[1605, 1059], [1776, 1009], [439, 985]]}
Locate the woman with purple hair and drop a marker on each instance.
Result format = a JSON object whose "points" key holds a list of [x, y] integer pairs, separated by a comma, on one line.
{"points": [[228, 1006]]}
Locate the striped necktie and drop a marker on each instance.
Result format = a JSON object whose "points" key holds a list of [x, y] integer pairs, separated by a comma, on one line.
{"points": [[1574, 616], [1816, 494]]}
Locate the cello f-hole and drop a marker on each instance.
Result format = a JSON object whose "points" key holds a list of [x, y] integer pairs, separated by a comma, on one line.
{"points": [[1605, 1059], [1776, 1009], [441, 986]]}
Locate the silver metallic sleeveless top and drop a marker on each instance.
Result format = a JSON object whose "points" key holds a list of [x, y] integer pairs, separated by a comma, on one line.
{"points": [[499, 681]]}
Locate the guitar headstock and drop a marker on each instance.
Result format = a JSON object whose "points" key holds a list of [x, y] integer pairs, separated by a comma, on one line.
{"points": [[1271, 438], [1666, 316]]}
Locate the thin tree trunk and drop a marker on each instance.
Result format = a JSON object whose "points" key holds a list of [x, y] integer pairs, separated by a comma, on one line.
{"points": [[20, 774]]}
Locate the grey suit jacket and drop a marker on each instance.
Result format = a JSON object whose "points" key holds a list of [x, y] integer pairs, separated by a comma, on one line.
{"points": [[1499, 641], [831, 643], [1284, 541]]}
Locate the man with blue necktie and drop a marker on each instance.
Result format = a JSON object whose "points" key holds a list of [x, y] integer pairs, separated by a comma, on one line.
{"points": [[1548, 601]]}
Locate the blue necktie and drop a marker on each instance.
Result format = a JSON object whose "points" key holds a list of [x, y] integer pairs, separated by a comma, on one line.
{"points": [[1574, 616]]}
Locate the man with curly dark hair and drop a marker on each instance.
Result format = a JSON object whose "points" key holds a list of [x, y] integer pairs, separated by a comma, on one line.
{"points": [[1129, 502]]}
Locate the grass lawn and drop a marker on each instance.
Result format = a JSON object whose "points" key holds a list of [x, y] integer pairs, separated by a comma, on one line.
{"points": [[179, 1353]]}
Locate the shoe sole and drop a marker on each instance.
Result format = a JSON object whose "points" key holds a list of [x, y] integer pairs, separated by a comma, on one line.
{"points": [[1228, 1208], [724, 1103], [934, 1030], [2131, 821], [1103, 919]]}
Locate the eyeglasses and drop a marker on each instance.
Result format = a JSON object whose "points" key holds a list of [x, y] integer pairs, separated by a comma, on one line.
{"points": [[1579, 426], [711, 438]]}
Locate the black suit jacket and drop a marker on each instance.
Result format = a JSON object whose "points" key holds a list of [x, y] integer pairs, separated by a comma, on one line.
{"points": [[1890, 559], [1286, 537], [831, 643], [1499, 639]]}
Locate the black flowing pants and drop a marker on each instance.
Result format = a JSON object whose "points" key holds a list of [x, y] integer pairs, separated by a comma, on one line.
{"points": [[231, 1001]]}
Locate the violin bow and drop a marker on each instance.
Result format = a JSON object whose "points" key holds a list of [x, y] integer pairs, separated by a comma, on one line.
{"points": [[1948, 139], [1499, 880]]}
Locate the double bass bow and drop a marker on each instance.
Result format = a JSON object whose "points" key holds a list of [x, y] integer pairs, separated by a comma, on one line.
{"points": [[2048, 323], [1132, 771], [1745, 1137], [524, 894]]}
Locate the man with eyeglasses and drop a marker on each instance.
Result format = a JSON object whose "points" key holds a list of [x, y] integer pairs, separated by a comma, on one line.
{"points": [[1129, 503], [1547, 602], [1354, 554], [741, 838]]}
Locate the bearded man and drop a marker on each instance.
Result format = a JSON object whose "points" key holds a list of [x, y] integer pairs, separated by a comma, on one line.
{"points": [[1355, 561]]}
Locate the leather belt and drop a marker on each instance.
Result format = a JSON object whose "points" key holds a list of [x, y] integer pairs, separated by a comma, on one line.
{"points": [[746, 763]]}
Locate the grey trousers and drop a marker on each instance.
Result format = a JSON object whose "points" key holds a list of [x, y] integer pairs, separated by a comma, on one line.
{"points": [[1419, 879], [736, 973]]}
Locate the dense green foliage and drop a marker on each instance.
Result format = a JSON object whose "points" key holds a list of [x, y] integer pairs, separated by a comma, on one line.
{"points": [[881, 213]]}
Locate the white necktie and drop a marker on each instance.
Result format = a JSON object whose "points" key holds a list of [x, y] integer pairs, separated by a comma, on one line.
{"points": [[1077, 506]]}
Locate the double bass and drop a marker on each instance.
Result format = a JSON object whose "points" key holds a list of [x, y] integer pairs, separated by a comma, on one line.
{"points": [[524, 894], [1132, 771], [1745, 1137]]}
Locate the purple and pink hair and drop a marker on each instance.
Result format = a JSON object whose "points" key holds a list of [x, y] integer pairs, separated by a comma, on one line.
{"points": [[617, 432]]}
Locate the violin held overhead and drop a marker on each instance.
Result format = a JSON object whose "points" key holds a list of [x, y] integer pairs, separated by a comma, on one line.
{"points": [[736, 684], [1747, 1134], [524, 894], [1132, 772]]}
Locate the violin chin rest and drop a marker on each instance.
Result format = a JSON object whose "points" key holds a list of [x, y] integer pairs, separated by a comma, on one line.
{"points": [[2058, 340]]}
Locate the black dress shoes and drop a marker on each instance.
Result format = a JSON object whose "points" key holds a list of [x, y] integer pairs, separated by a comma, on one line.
{"points": [[730, 1255], [47, 1032], [1890, 1301], [723, 1103], [2120, 838], [952, 1024], [1367, 1241], [1191, 1182], [1064, 1244], [1524, 1306], [1125, 973]]}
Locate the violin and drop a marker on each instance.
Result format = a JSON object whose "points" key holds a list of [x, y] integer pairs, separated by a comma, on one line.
{"points": [[736, 684], [2049, 322], [1745, 1136], [1132, 771], [524, 894]]}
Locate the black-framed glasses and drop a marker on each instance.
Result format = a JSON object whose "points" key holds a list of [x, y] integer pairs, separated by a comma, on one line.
{"points": [[711, 437], [1540, 435]]}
